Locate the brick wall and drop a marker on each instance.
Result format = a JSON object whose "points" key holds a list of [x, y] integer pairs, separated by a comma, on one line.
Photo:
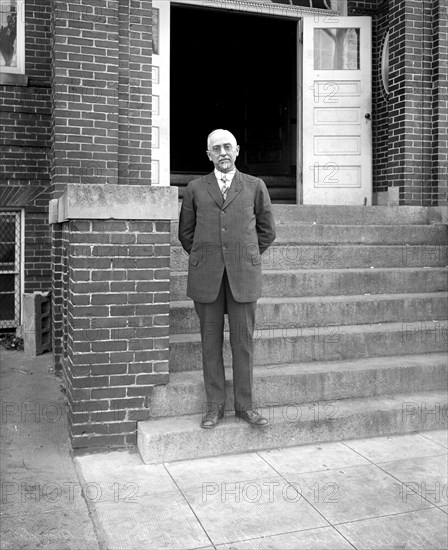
{"points": [[111, 277], [440, 100], [102, 100], [410, 129], [85, 82], [409, 126], [25, 145], [117, 322]]}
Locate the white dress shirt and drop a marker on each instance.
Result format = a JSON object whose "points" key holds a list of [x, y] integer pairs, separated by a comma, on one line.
{"points": [[228, 175]]}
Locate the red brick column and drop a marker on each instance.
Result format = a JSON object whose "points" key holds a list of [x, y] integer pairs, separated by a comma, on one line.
{"points": [[440, 101], [414, 32], [113, 293], [101, 77], [410, 125]]}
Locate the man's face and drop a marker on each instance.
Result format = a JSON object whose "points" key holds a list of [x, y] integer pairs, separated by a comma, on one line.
{"points": [[223, 150]]}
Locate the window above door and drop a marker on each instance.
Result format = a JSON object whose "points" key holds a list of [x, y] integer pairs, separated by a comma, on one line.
{"points": [[281, 8], [320, 4], [335, 5]]}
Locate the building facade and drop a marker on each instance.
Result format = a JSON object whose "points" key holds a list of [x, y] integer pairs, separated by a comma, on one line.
{"points": [[105, 105]]}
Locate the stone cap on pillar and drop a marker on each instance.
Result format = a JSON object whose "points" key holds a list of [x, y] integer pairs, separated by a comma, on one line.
{"points": [[112, 201]]}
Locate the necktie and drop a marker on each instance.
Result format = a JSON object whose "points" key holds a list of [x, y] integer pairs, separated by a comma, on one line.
{"points": [[225, 187]]}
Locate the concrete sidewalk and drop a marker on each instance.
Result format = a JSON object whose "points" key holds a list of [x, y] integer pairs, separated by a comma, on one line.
{"points": [[42, 505], [388, 492]]}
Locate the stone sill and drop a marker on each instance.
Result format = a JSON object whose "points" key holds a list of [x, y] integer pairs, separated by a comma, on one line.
{"points": [[116, 202], [12, 79]]}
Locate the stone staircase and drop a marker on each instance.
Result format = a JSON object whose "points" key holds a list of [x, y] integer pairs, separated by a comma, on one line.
{"points": [[350, 340]]}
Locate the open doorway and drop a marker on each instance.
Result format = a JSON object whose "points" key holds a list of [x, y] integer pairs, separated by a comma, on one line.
{"points": [[239, 72]]}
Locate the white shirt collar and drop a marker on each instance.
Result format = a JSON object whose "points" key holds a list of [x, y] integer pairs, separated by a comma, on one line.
{"points": [[229, 176]]}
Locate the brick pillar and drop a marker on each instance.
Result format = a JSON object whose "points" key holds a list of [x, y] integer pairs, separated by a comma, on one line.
{"points": [[440, 102], [57, 275], [411, 110], [410, 126], [110, 226], [113, 292]]}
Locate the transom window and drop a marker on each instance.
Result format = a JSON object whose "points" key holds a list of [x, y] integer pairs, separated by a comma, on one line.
{"points": [[321, 4]]}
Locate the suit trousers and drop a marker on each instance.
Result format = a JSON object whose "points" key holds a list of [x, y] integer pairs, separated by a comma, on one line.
{"points": [[241, 316]]}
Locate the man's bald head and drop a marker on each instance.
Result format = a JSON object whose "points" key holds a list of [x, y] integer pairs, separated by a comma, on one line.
{"points": [[225, 134], [222, 150]]}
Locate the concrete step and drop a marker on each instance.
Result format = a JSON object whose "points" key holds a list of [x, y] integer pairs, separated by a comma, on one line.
{"points": [[307, 382], [325, 311], [335, 282], [273, 346], [335, 256], [318, 233], [359, 215], [181, 437]]}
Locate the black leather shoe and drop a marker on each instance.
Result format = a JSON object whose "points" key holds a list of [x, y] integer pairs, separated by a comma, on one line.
{"points": [[213, 415], [252, 417]]}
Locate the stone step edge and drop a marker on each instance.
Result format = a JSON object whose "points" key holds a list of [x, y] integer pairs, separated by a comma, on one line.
{"points": [[394, 226], [188, 304], [387, 362], [314, 244], [292, 426], [279, 221], [165, 425], [184, 393], [270, 332], [359, 214], [338, 270], [354, 234], [308, 223]]}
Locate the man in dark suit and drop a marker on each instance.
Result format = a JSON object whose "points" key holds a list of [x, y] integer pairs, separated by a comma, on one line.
{"points": [[225, 224]]}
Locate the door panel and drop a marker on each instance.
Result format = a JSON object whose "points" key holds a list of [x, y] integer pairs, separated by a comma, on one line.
{"points": [[160, 146], [336, 120]]}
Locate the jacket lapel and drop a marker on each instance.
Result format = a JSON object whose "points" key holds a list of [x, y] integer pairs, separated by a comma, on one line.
{"points": [[214, 190]]}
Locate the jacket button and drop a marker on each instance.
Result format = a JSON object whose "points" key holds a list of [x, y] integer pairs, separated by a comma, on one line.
{"points": [[223, 229]]}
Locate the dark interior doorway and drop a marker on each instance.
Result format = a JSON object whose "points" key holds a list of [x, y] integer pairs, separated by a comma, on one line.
{"points": [[238, 72]]}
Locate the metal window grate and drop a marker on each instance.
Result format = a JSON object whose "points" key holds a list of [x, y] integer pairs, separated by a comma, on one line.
{"points": [[9, 269]]}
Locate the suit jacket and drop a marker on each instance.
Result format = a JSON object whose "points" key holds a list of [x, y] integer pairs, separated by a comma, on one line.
{"points": [[231, 235]]}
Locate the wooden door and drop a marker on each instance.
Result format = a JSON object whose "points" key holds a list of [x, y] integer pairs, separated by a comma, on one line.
{"points": [[336, 111]]}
